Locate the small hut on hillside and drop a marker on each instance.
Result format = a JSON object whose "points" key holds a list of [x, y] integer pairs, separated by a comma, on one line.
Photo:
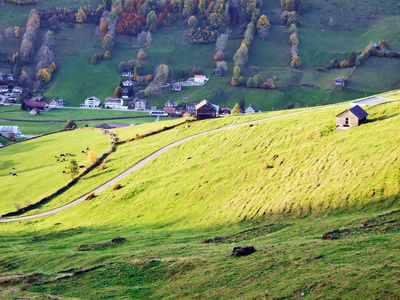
{"points": [[206, 110], [354, 116]]}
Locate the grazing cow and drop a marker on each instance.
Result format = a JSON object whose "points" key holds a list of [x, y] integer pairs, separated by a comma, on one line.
{"points": [[12, 168], [63, 159], [67, 154], [87, 148], [10, 173], [14, 174], [55, 156], [83, 151], [58, 159], [81, 167], [62, 154], [64, 172]]}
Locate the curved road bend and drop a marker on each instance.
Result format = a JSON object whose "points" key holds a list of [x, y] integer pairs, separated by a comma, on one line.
{"points": [[146, 160]]}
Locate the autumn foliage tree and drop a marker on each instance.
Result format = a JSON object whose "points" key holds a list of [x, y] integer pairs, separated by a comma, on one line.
{"points": [[43, 75], [296, 61], [91, 156], [80, 16]]}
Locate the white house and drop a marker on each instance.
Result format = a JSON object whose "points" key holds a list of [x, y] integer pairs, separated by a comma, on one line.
{"points": [[140, 104], [127, 82], [127, 74], [199, 78], [91, 102], [339, 81], [55, 102], [3, 89], [17, 90], [252, 110], [114, 103], [5, 130]]}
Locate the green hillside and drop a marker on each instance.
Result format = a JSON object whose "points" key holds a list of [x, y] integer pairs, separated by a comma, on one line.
{"points": [[278, 185]]}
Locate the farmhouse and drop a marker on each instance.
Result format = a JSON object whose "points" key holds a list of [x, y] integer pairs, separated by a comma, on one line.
{"points": [[127, 82], [354, 116], [5, 130], [91, 102], [170, 107], [252, 110], [114, 103], [191, 108], [206, 110], [177, 87], [226, 111], [339, 81], [11, 98], [37, 104], [17, 90], [199, 78], [55, 102], [127, 74], [3, 89], [140, 104]]}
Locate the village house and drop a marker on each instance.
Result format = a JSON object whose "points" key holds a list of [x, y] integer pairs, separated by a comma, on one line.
{"points": [[127, 74], [177, 87], [170, 107], [339, 81], [114, 103], [38, 98], [34, 112], [10, 77], [354, 116], [206, 110], [199, 78], [127, 82], [6, 130], [55, 102], [191, 108], [3, 89], [225, 111], [11, 98], [17, 90], [251, 110], [140, 104], [91, 102], [37, 104]]}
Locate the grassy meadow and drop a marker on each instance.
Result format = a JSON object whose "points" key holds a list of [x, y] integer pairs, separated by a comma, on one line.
{"points": [[317, 181]]}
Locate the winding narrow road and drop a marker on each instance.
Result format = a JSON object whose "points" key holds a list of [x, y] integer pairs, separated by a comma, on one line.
{"points": [[149, 158]]}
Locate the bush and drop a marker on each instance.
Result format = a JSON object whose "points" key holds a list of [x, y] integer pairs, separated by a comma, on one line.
{"points": [[90, 196], [320, 69], [116, 187]]}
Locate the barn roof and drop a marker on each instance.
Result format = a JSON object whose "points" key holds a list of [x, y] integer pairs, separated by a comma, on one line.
{"points": [[356, 111], [206, 103]]}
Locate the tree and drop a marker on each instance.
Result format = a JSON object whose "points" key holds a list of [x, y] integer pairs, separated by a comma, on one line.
{"points": [[151, 21], [16, 31], [93, 60], [296, 61], [222, 65], [72, 169], [222, 40], [23, 105], [108, 42], [141, 38], [293, 28], [80, 16], [242, 103], [294, 39], [235, 109], [219, 56], [188, 8], [149, 38], [118, 92], [344, 64], [70, 125], [122, 66], [43, 75], [91, 156], [352, 59], [141, 55], [192, 22], [263, 22]]}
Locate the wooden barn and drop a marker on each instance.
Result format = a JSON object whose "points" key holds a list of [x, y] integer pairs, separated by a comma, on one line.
{"points": [[354, 116], [206, 110]]}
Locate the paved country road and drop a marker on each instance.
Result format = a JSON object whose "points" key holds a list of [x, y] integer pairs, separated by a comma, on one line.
{"points": [[149, 158]]}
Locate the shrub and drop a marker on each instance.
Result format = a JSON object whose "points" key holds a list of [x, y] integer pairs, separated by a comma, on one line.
{"points": [[90, 196], [102, 166], [116, 187], [320, 69]]}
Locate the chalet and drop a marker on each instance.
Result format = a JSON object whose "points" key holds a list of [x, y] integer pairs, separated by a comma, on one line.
{"points": [[199, 78], [354, 116], [6, 130], [55, 102], [177, 87], [10, 77], [17, 90], [114, 103], [3, 89], [206, 110], [11, 98], [34, 112], [127, 74], [191, 108], [91, 102], [339, 81], [225, 111], [251, 110], [140, 104], [170, 107], [127, 82], [218, 72], [36, 104]]}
